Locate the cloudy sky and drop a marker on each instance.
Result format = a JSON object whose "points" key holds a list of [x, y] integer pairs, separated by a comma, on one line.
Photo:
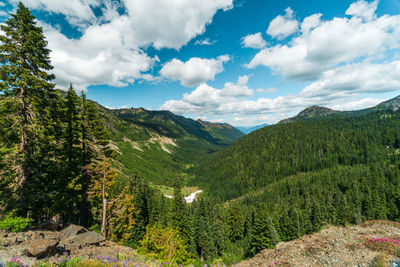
{"points": [[244, 62]]}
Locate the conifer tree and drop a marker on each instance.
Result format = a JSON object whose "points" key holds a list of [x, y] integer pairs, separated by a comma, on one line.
{"points": [[260, 236], [235, 223], [179, 218], [26, 83]]}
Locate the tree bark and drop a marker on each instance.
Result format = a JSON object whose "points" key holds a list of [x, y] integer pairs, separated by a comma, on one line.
{"points": [[103, 191], [24, 136], [85, 177]]}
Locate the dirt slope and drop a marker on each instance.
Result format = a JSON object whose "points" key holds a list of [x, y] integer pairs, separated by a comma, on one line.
{"points": [[333, 246]]}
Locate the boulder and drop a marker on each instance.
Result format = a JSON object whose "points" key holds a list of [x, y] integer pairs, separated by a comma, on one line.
{"points": [[49, 225], [72, 230], [40, 248], [82, 240]]}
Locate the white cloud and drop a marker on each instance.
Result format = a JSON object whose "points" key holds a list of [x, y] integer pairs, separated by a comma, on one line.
{"points": [[357, 104], [267, 90], [205, 42], [101, 56], [311, 22], [171, 23], [206, 99], [357, 78], [194, 71], [254, 41], [110, 50], [323, 45], [363, 9], [76, 11], [340, 88], [283, 26]]}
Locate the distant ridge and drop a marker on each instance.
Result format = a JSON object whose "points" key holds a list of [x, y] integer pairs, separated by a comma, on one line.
{"points": [[317, 112], [250, 129]]}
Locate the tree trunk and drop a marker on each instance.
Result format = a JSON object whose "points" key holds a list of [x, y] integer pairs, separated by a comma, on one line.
{"points": [[24, 153], [24, 136], [85, 177], [103, 191]]}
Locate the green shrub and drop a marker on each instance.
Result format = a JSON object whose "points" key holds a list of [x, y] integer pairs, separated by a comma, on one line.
{"points": [[15, 224], [164, 244]]}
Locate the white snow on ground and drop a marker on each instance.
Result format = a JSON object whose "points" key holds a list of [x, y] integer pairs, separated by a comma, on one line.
{"points": [[190, 198]]}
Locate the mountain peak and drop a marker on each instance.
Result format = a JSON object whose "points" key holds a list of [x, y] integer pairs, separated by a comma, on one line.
{"points": [[316, 111], [393, 104], [311, 113]]}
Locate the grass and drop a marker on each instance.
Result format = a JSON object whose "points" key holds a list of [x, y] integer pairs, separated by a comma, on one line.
{"points": [[166, 190]]}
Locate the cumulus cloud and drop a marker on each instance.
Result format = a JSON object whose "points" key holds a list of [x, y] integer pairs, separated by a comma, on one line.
{"points": [[205, 99], [283, 26], [323, 45], [254, 41], [206, 41], [356, 78], [77, 12], [194, 71], [267, 90], [341, 88], [363, 9], [100, 56], [171, 23], [110, 49]]}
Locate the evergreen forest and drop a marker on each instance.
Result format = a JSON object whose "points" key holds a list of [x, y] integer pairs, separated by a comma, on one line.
{"points": [[66, 156]]}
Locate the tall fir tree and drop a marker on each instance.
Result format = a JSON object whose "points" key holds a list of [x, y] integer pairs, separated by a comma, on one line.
{"points": [[25, 82]]}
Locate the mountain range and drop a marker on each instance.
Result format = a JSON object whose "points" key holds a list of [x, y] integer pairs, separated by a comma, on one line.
{"points": [[249, 129], [318, 112], [160, 146]]}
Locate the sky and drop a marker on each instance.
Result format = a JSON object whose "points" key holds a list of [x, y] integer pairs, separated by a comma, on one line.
{"points": [[244, 62]]}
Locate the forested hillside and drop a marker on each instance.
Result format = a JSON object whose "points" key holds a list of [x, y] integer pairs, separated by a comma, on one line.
{"points": [[68, 158], [271, 153], [160, 146]]}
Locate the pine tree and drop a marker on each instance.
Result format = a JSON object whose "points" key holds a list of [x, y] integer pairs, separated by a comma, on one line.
{"points": [[260, 235], [179, 218], [143, 216], [316, 217], [235, 223], [26, 83]]}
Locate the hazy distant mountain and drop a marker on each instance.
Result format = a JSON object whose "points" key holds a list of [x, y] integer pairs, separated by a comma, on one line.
{"points": [[249, 129]]}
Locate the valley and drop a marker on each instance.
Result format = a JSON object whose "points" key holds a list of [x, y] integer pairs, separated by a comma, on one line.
{"points": [[83, 184]]}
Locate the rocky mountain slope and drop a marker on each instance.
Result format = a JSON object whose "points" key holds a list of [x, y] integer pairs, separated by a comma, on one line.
{"points": [[365, 245], [312, 112], [159, 145]]}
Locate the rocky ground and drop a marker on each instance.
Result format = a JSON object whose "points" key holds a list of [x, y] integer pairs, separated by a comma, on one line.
{"points": [[333, 246], [76, 241]]}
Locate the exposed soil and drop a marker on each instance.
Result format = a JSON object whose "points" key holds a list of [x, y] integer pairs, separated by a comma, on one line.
{"points": [[333, 246]]}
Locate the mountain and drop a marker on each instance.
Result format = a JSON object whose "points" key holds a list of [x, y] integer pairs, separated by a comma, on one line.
{"points": [[313, 112], [159, 145], [276, 152], [249, 129], [318, 112]]}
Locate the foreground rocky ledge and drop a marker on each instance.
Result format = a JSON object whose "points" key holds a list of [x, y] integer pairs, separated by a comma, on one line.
{"points": [[76, 241], [335, 246]]}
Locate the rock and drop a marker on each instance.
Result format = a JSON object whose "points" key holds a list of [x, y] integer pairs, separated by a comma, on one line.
{"points": [[72, 230], [49, 225], [82, 240], [40, 248]]}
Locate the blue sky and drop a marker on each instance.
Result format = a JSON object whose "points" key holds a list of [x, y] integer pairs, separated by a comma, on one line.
{"points": [[244, 62]]}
